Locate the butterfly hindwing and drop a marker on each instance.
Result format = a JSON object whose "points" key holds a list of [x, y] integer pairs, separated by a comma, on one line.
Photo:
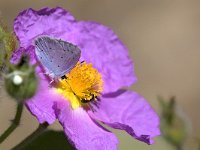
{"points": [[58, 57]]}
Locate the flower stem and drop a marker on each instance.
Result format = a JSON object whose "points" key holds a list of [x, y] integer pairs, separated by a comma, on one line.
{"points": [[14, 124], [41, 128]]}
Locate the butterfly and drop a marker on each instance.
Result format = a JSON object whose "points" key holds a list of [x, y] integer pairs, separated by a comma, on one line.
{"points": [[57, 57]]}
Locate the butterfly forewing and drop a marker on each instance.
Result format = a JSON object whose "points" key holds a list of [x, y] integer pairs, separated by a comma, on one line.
{"points": [[58, 57]]}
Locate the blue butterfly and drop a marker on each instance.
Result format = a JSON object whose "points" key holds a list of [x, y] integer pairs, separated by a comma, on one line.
{"points": [[57, 57]]}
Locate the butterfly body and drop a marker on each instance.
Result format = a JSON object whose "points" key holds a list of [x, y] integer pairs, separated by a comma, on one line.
{"points": [[57, 57]]}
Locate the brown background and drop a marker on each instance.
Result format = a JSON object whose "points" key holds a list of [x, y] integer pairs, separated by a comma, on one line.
{"points": [[163, 37]]}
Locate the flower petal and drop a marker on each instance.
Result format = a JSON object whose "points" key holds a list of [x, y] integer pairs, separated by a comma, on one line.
{"points": [[41, 104], [128, 111], [84, 133], [101, 46], [16, 55], [30, 24]]}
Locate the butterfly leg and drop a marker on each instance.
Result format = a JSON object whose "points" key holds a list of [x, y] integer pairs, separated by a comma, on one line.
{"points": [[43, 73], [51, 83]]}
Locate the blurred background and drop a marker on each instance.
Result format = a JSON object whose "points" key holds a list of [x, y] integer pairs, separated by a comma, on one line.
{"points": [[163, 38]]}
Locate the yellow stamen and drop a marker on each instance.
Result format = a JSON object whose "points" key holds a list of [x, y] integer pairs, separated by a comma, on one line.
{"points": [[83, 83]]}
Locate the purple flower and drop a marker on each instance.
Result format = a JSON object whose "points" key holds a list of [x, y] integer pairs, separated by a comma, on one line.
{"points": [[104, 55]]}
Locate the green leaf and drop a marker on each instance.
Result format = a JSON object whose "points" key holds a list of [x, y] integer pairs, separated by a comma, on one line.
{"points": [[50, 140]]}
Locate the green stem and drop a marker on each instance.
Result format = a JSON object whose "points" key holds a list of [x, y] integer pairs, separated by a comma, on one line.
{"points": [[14, 124], [41, 128]]}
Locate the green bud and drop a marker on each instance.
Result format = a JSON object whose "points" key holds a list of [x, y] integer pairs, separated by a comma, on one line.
{"points": [[173, 126], [21, 81]]}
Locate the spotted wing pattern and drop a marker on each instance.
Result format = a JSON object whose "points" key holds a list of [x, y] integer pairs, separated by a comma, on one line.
{"points": [[57, 57]]}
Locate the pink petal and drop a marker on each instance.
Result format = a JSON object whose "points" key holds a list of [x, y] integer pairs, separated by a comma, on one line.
{"points": [[101, 46], [41, 104], [84, 133], [30, 24], [128, 111]]}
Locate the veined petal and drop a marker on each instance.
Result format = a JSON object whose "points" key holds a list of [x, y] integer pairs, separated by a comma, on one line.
{"points": [[128, 111], [83, 132], [30, 24], [41, 104], [101, 46]]}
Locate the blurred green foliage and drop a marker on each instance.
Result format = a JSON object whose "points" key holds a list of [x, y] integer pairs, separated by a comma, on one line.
{"points": [[8, 43], [172, 126]]}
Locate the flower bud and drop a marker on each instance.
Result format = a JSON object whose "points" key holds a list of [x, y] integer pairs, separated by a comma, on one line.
{"points": [[173, 125], [21, 81]]}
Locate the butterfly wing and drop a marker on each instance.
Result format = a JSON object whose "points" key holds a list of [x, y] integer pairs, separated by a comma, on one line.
{"points": [[58, 57]]}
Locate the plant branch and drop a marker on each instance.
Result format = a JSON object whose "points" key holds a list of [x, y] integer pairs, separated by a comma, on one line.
{"points": [[14, 124]]}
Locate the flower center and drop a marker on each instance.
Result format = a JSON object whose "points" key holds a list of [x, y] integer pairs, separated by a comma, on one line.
{"points": [[81, 85]]}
